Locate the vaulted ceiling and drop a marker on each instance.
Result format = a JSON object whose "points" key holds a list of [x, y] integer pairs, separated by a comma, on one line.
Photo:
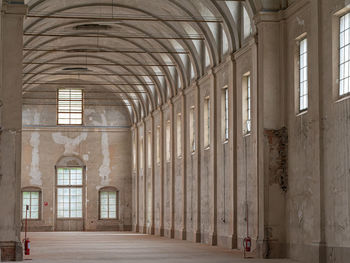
{"points": [[142, 52]]}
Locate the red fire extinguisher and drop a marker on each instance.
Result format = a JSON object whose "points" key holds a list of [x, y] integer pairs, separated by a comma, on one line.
{"points": [[26, 246], [26, 239], [247, 244]]}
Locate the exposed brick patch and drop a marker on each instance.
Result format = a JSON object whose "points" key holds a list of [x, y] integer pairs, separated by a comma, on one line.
{"points": [[277, 141]]}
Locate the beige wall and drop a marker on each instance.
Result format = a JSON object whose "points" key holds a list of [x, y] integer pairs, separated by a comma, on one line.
{"points": [[297, 209], [104, 146]]}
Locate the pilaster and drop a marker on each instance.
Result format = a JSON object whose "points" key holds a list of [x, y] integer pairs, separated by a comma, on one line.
{"points": [[11, 57]]}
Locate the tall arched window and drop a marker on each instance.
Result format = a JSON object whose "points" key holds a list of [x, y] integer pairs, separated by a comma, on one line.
{"points": [[108, 199], [70, 194]]}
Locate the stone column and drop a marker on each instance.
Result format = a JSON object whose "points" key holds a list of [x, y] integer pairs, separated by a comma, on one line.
{"points": [[11, 124], [232, 166], [161, 147], [172, 162], [271, 233], [214, 121], [144, 173], [137, 177], [184, 163], [197, 233]]}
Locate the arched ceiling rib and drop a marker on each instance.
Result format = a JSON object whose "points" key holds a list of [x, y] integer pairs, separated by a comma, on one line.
{"points": [[154, 48]]}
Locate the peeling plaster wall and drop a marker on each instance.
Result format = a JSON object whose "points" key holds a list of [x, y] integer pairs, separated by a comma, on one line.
{"points": [[103, 143]]}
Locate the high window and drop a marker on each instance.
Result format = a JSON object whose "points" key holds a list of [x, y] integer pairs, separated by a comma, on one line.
{"points": [[179, 135], [149, 149], [192, 130], [303, 80], [108, 203], [224, 114], [30, 199], [207, 122], [70, 192], [70, 107], [158, 144], [247, 115], [344, 55], [134, 151], [141, 154], [168, 146]]}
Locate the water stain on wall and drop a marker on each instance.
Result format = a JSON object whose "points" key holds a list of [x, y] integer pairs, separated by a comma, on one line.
{"points": [[69, 143], [35, 173]]}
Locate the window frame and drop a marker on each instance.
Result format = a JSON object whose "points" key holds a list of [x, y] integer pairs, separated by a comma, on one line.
{"points": [[57, 107], [337, 14], [168, 141], [31, 190], [247, 103], [192, 129], [108, 189], [206, 122], [225, 118], [158, 135], [57, 186], [306, 78], [339, 63], [149, 150], [179, 135]]}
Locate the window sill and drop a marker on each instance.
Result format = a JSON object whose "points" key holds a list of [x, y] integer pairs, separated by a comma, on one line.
{"points": [[343, 97], [68, 218], [301, 113], [247, 134]]}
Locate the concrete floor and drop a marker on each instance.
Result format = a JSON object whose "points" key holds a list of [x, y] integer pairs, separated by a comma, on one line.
{"points": [[125, 247]]}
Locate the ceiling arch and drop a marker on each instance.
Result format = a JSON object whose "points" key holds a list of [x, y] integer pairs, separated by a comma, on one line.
{"points": [[155, 47]]}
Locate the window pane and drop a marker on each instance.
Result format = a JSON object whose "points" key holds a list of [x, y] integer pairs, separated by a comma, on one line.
{"points": [[70, 106], [69, 199], [303, 78], [108, 203], [30, 199], [344, 55]]}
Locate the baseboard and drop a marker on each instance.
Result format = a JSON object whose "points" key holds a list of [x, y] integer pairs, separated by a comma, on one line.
{"points": [[180, 234], [11, 251], [159, 231], [270, 249], [169, 233], [229, 242]]}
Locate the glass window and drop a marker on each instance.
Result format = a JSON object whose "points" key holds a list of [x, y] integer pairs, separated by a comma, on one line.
{"points": [[149, 149], [108, 204], [30, 199], [206, 122], [224, 114], [179, 135], [70, 192], [247, 114], [303, 79], [344, 55], [70, 107], [158, 144], [168, 141], [192, 129], [141, 154]]}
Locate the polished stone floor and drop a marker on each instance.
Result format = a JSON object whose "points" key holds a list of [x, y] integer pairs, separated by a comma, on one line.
{"points": [[126, 247]]}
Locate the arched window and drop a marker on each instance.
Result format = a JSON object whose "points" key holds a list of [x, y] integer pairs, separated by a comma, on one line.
{"points": [[108, 199], [70, 194], [31, 203]]}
